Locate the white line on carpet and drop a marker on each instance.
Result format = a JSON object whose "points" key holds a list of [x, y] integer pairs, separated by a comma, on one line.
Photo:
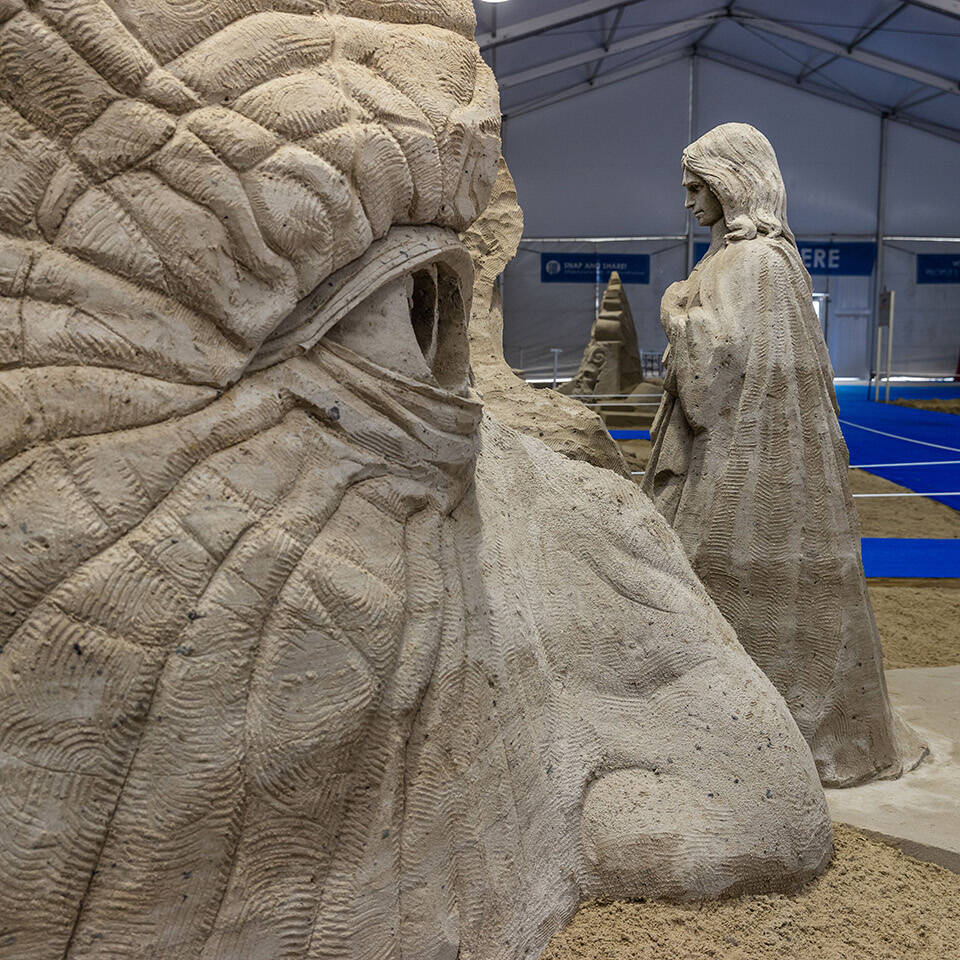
{"points": [[912, 463], [954, 493]]}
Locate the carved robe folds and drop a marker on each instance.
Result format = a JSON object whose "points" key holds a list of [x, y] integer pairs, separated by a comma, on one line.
{"points": [[750, 467]]}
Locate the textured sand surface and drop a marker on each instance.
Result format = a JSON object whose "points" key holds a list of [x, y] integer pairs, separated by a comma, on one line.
{"points": [[918, 621], [937, 404], [873, 903], [303, 653]]}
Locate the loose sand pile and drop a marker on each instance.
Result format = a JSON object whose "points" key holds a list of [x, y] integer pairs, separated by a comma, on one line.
{"points": [[937, 404], [919, 622], [873, 903]]}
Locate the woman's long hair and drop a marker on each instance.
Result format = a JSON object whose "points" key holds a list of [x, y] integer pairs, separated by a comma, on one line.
{"points": [[737, 162]]}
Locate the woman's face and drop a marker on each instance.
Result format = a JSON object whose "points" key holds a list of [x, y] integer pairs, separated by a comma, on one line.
{"points": [[701, 200]]}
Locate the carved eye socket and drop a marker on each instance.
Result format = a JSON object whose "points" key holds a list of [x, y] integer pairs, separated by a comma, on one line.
{"points": [[413, 324], [437, 318], [423, 313], [451, 353]]}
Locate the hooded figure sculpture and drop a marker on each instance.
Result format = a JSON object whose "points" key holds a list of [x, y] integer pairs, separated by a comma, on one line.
{"points": [[303, 654], [750, 467]]}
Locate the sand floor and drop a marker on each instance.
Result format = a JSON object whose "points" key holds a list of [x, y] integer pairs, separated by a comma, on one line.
{"points": [[919, 622], [901, 516], [939, 404], [873, 903], [922, 808]]}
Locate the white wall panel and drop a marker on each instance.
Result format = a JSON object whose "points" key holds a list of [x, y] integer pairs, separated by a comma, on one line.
{"points": [[926, 323], [827, 151], [923, 183], [606, 162]]}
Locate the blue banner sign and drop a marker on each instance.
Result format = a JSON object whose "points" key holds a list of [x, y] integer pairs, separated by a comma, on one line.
{"points": [[839, 259], [836, 259], [938, 268], [584, 267]]}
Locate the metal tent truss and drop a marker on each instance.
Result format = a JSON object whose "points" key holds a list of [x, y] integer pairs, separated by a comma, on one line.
{"points": [[564, 51]]}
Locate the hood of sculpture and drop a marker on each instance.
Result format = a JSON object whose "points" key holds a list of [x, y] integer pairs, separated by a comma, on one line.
{"points": [[180, 177]]}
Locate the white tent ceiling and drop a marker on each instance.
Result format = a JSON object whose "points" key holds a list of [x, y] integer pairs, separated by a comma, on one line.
{"points": [[899, 59]]}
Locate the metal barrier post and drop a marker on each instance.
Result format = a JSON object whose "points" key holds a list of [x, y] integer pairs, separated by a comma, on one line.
{"points": [[556, 351], [884, 319]]}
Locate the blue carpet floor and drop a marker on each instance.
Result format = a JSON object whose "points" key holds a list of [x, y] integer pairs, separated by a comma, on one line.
{"points": [[917, 449], [889, 557]]}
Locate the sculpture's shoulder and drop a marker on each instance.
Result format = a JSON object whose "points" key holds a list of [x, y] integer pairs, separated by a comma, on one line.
{"points": [[748, 270], [759, 254]]}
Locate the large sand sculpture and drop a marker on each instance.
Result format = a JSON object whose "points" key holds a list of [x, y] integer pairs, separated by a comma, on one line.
{"points": [[303, 654], [611, 361], [563, 425], [750, 467]]}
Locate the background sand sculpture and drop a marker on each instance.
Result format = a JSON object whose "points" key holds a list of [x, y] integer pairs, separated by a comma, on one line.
{"points": [[611, 361], [749, 465], [563, 425], [302, 653]]}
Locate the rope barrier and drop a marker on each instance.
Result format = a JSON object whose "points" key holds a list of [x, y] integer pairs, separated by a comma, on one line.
{"points": [[609, 396], [622, 403]]}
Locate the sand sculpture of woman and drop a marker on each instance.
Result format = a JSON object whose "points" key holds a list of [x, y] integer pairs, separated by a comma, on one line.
{"points": [[750, 467]]}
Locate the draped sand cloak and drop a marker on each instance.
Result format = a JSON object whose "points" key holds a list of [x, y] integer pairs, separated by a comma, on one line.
{"points": [[750, 467]]}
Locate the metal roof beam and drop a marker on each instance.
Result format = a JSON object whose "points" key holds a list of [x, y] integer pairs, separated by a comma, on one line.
{"points": [[861, 36], [777, 76], [621, 46], [611, 33], [744, 66], [950, 8], [549, 21], [748, 18], [615, 76], [829, 93]]}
